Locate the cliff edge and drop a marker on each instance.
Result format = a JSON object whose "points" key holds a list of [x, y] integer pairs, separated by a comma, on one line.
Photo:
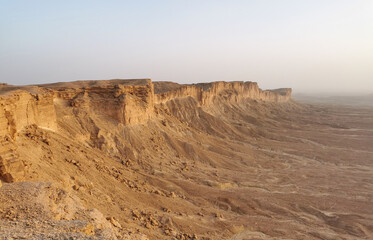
{"points": [[125, 102]]}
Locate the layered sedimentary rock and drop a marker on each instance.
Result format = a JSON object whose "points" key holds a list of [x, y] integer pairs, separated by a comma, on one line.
{"points": [[207, 93], [123, 102], [126, 102], [18, 110]]}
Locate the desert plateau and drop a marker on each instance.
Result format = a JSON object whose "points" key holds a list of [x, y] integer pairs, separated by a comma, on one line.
{"points": [[136, 159]]}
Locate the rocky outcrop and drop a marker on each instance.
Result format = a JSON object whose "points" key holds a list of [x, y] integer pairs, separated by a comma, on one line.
{"points": [[11, 167], [126, 102], [208, 93], [40, 210], [18, 110], [123, 102]]}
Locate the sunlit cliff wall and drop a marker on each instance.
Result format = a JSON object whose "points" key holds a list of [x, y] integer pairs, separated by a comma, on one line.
{"points": [[20, 109], [126, 102], [207, 93]]}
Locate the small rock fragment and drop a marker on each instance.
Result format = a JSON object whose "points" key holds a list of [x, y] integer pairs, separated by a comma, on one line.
{"points": [[114, 222]]}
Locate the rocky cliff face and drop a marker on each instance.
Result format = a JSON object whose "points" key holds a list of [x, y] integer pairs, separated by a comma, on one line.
{"points": [[18, 110], [208, 93], [170, 161], [125, 102]]}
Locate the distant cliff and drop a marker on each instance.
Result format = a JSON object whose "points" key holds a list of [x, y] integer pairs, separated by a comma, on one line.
{"points": [[127, 102], [207, 93]]}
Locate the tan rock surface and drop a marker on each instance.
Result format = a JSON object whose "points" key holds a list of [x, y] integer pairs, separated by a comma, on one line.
{"points": [[163, 160], [36, 210]]}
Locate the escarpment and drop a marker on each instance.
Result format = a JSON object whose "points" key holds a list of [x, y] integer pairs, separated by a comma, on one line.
{"points": [[121, 102], [208, 93], [128, 102], [135, 159], [18, 110], [189, 103], [125, 103]]}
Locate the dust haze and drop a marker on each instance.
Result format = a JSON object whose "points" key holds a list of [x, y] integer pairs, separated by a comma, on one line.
{"points": [[186, 120]]}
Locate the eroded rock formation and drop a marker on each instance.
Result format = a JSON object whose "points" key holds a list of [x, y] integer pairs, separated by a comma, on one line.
{"points": [[207, 93], [127, 102], [170, 161], [20, 109]]}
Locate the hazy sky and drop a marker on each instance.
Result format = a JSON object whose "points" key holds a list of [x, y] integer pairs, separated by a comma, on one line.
{"points": [[309, 45]]}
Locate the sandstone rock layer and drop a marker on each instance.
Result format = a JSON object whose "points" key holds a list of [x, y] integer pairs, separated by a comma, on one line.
{"points": [[127, 102]]}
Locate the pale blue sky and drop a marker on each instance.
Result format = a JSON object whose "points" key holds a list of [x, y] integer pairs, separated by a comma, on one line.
{"points": [[310, 45]]}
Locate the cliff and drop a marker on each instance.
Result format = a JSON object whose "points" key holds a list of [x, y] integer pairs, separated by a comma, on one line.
{"points": [[158, 160], [125, 102], [18, 110], [234, 92]]}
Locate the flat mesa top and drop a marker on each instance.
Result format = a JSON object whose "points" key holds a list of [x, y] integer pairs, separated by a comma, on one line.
{"points": [[159, 86], [96, 83], [166, 86], [37, 88]]}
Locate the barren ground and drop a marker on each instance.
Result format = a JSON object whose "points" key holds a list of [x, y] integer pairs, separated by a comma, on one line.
{"points": [[253, 170]]}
